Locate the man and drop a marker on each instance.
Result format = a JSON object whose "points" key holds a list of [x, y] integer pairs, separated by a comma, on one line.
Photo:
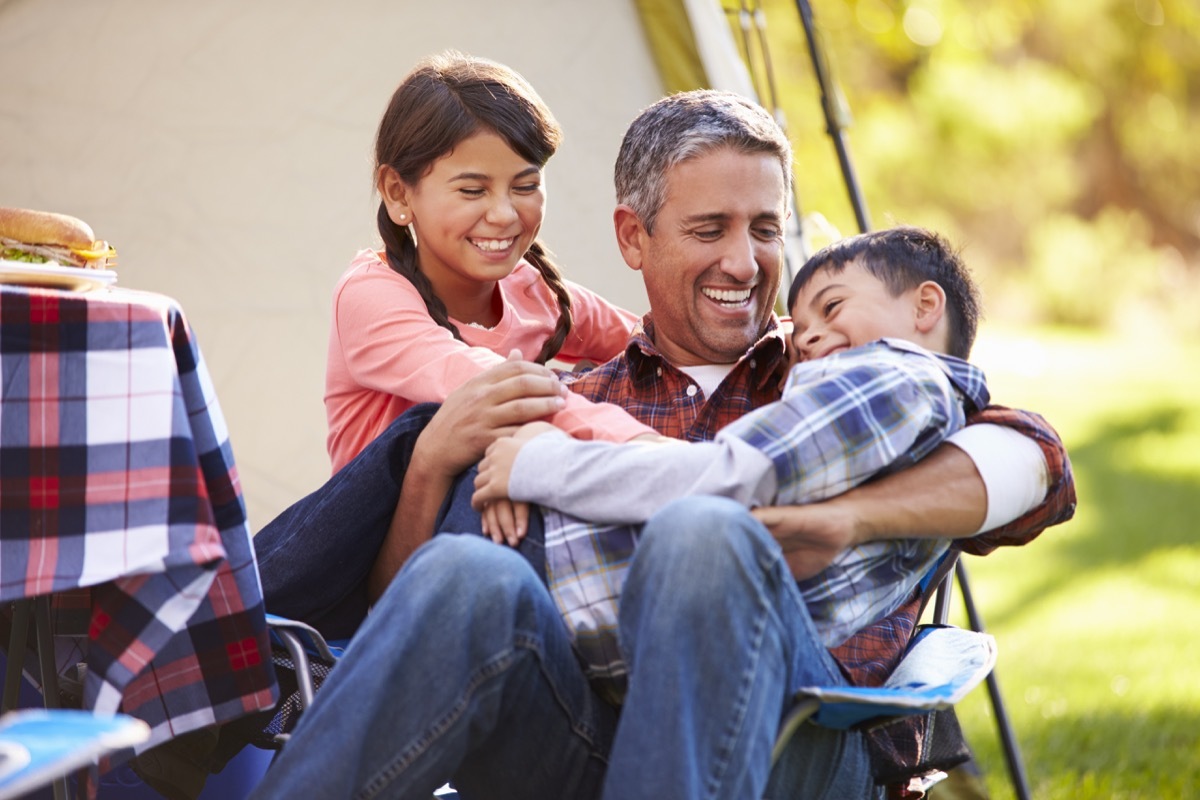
{"points": [[464, 670], [882, 324]]}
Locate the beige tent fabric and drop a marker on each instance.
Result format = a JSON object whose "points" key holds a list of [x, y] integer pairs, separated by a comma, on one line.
{"points": [[225, 149]]}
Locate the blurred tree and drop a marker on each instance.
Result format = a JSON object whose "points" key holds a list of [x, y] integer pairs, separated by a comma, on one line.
{"points": [[1055, 140]]}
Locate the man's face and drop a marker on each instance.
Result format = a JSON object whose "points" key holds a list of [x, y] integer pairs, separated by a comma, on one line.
{"points": [[712, 265]]}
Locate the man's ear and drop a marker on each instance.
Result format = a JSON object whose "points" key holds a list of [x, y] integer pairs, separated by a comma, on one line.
{"points": [[631, 236], [394, 192], [930, 306]]}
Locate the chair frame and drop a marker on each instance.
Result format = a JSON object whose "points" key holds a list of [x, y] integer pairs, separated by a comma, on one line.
{"points": [[944, 575], [1004, 728], [39, 609]]}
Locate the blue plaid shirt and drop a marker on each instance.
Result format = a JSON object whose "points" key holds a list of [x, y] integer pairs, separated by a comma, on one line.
{"points": [[841, 421]]}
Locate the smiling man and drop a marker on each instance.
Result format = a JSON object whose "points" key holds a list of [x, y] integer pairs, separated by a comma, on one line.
{"points": [[702, 181], [464, 670], [706, 232]]}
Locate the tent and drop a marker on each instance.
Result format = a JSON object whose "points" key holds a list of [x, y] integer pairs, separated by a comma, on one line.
{"points": [[225, 149]]}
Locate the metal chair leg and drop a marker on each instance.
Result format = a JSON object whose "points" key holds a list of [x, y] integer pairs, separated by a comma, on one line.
{"points": [[1008, 740], [16, 653], [39, 609]]}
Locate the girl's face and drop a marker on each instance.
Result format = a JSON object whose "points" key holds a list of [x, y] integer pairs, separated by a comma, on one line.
{"points": [[475, 213]]}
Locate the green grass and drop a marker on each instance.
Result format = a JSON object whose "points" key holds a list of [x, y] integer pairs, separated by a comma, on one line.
{"points": [[1098, 620]]}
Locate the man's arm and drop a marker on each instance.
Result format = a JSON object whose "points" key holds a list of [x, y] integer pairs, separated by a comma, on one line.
{"points": [[1058, 505], [839, 423], [943, 496], [940, 497]]}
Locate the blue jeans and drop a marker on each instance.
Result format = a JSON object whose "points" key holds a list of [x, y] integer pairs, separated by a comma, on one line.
{"points": [[464, 672], [315, 557]]}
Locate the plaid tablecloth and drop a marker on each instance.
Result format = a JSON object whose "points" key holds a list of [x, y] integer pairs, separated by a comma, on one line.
{"points": [[116, 474]]}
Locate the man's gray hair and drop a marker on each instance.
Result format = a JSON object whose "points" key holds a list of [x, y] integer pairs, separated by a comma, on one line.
{"points": [[686, 125]]}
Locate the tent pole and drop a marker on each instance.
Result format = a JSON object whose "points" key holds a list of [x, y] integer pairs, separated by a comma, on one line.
{"points": [[837, 115]]}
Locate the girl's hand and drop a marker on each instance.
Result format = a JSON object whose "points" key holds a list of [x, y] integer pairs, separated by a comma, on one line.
{"points": [[490, 405]]}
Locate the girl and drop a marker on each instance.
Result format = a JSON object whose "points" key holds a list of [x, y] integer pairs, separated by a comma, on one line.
{"points": [[462, 279]]}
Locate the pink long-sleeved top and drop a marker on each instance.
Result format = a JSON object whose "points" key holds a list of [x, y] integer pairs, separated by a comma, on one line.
{"points": [[386, 354]]}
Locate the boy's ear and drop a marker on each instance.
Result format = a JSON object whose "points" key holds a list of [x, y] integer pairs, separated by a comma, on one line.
{"points": [[631, 236], [394, 193], [930, 306]]}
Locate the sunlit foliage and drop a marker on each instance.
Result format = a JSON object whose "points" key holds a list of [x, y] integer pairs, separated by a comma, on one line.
{"points": [[1055, 140]]}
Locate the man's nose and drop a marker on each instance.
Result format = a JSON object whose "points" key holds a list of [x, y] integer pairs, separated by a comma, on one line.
{"points": [[738, 261]]}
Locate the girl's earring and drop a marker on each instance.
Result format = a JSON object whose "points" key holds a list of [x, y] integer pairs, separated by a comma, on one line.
{"points": [[403, 217]]}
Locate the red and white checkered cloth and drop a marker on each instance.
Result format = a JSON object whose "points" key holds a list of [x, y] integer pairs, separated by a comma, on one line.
{"points": [[116, 473]]}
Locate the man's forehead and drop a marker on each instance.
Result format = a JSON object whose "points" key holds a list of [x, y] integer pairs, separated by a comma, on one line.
{"points": [[709, 195], [757, 171]]}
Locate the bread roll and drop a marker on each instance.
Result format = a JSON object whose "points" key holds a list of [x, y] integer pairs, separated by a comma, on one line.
{"points": [[45, 227]]}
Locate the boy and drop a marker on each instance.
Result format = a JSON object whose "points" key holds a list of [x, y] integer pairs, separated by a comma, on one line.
{"points": [[866, 395]]}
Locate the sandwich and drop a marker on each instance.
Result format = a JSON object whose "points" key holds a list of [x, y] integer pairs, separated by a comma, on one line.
{"points": [[43, 237]]}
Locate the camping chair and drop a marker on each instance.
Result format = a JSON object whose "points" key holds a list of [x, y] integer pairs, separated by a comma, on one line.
{"points": [[301, 651], [1004, 728], [941, 665], [41, 747], [18, 646]]}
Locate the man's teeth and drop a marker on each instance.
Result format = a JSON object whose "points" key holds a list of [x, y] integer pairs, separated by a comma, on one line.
{"points": [[727, 295], [493, 245]]}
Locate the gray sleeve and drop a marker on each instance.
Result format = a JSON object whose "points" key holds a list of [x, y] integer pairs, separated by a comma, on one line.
{"points": [[625, 483]]}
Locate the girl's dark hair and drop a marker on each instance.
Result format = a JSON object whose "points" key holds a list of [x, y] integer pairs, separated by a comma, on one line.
{"points": [[903, 258], [446, 99]]}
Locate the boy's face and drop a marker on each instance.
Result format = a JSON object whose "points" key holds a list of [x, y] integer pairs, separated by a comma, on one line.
{"points": [[837, 311]]}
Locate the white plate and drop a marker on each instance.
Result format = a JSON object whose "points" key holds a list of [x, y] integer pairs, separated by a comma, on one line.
{"points": [[22, 273]]}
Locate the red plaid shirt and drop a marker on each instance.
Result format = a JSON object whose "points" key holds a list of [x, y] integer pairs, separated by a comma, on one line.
{"points": [[656, 393]]}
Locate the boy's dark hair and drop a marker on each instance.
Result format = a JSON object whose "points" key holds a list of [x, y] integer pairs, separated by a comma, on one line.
{"points": [[904, 258]]}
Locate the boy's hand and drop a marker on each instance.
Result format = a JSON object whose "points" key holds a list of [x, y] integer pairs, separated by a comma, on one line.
{"points": [[503, 520]]}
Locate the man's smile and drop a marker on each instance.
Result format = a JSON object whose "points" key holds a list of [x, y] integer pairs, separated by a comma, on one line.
{"points": [[729, 298]]}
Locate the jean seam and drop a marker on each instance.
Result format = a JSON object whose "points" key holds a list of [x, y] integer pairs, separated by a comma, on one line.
{"points": [[774, 563], [738, 723], [491, 669], [385, 776], [586, 732]]}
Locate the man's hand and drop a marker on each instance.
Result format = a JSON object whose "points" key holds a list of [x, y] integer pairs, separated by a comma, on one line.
{"points": [[941, 497], [810, 535], [503, 520]]}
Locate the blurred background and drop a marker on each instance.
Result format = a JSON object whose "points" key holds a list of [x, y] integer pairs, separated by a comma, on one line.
{"points": [[225, 149]]}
